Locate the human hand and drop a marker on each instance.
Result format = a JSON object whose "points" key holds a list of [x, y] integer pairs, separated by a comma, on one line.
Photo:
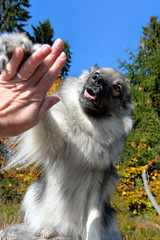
{"points": [[24, 103]]}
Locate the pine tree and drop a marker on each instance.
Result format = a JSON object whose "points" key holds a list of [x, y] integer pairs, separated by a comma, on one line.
{"points": [[151, 35], [13, 15], [143, 70], [68, 53], [44, 33]]}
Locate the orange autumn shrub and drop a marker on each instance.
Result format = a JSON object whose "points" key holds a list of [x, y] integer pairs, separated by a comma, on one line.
{"points": [[131, 184]]}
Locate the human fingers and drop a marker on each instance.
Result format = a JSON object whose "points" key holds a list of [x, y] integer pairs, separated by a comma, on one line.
{"points": [[32, 63], [12, 66], [49, 78], [57, 48], [48, 62]]}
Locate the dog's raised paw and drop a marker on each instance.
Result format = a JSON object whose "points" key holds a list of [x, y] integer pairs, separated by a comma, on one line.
{"points": [[3, 62], [10, 41]]}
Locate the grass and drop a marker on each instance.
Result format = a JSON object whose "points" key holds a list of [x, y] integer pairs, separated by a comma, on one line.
{"points": [[10, 214], [142, 227]]}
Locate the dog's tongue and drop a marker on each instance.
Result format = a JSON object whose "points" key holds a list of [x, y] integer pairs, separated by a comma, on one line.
{"points": [[88, 95]]}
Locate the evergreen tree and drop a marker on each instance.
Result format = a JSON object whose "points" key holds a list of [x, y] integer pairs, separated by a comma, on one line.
{"points": [[44, 33], [68, 53], [13, 15], [143, 70]]}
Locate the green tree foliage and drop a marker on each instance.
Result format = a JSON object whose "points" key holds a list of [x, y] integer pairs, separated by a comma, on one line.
{"points": [[44, 33], [68, 53], [13, 15], [143, 70]]}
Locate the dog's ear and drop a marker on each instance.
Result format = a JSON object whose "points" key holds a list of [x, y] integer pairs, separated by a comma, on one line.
{"points": [[94, 68]]}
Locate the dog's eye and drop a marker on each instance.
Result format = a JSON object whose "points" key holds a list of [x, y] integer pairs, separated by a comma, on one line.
{"points": [[117, 88]]}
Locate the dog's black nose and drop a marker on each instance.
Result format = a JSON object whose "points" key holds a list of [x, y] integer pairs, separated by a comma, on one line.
{"points": [[97, 79]]}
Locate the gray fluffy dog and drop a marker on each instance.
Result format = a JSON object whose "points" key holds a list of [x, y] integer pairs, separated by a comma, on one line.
{"points": [[77, 142]]}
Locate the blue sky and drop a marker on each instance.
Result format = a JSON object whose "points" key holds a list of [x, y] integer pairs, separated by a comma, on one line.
{"points": [[97, 30]]}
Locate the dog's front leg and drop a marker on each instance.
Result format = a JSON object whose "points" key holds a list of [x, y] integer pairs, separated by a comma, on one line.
{"points": [[93, 227]]}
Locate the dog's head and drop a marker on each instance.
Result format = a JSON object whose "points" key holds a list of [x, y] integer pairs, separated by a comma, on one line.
{"points": [[105, 93]]}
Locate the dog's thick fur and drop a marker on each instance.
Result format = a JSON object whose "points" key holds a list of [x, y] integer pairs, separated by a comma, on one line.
{"points": [[78, 142]]}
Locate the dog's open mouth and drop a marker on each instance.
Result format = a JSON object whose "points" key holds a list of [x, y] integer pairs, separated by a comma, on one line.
{"points": [[90, 95]]}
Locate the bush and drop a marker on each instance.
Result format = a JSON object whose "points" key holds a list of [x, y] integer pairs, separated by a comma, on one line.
{"points": [[131, 184]]}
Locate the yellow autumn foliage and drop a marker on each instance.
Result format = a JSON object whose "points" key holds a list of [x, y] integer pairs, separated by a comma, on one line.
{"points": [[55, 86]]}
